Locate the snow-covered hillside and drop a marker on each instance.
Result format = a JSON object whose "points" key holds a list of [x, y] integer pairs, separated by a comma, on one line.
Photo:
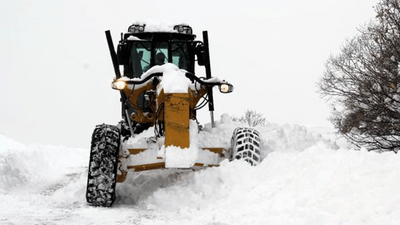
{"points": [[304, 179]]}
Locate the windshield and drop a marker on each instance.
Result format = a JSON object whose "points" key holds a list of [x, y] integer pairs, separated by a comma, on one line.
{"points": [[141, 56]]}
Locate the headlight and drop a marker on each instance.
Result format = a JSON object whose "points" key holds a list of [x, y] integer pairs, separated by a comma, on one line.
{"points": [[183, 29], [226, 88], [118, 84], [136, 28]]}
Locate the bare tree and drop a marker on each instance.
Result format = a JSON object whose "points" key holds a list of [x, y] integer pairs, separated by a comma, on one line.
{"points": [[252, 118], [363, 82]]}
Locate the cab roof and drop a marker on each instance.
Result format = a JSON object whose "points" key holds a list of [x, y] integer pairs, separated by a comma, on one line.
{"points": [[179, 32]]}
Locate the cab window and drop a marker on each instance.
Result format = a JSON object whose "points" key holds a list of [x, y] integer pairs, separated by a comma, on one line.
{"points": [[180, 55], [140, 58]]}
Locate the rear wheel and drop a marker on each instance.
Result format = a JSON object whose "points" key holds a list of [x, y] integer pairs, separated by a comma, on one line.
{"points": [[102, 172], [246, 145]]}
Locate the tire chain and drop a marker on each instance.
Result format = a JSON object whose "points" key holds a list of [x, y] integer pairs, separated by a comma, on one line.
{"points": [[103, 162], [246, 145]]}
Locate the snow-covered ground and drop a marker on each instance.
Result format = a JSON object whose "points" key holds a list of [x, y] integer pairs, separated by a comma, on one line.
{"points": [[305, 178]]}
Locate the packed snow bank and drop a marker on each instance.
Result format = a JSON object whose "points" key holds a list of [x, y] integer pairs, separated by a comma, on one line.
{"points": [[303, 179], [318, 185], [273, 137], [8, 143], [22, 165]]}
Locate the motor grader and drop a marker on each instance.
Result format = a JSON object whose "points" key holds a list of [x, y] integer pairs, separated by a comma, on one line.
{"points": [[160, 96]]}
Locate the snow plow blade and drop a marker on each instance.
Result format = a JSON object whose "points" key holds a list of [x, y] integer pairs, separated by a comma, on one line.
{"points": [[207, 157]]}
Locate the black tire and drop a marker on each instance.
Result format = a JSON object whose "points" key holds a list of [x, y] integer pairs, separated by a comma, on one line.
{"points": [[103, 162], [246, 145]]}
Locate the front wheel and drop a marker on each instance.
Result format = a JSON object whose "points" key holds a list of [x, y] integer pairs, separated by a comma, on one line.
{"points": [[246, 145], [102, 172]]}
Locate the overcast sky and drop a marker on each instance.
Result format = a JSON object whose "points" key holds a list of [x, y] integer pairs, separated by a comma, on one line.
{"points": [[55, 68]]}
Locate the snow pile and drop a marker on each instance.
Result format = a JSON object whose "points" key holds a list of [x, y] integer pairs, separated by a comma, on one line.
{"points": [[174, 79], [22, 165], [273, 137], [312, 187], [303, 179], [8, 143]]}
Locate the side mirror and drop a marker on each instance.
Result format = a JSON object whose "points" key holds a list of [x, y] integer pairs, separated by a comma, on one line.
{"points": [[123, 53], [225, 88], [200, 53]]}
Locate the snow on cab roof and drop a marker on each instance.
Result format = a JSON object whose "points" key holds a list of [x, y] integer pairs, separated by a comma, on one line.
{"points": [[159, 26]]}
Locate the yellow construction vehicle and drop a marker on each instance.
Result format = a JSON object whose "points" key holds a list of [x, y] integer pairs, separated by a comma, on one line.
{"points": [[160, 95]]}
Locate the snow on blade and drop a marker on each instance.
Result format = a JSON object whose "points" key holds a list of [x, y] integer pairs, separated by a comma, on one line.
{"points": [[177, 157], [183, 158]]}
